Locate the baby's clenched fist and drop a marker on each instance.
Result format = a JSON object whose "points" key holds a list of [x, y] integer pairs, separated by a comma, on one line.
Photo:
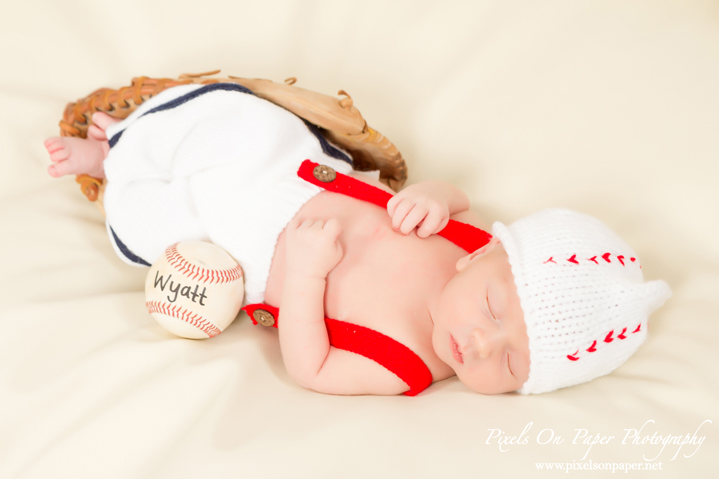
{"points": [[313, 247], [423, 206]]}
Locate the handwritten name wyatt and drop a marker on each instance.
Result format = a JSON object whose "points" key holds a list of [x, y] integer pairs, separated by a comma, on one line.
{"points": [[179, 289]]}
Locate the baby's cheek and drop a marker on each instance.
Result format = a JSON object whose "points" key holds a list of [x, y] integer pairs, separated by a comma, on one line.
{"points": [[437, 346]]}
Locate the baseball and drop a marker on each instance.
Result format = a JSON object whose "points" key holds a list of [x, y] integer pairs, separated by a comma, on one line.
{"points": [[194, 290]]}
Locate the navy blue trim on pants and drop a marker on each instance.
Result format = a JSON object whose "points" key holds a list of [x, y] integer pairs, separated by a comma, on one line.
{"points": [[126, 251], [185, 98], [327, 148]]}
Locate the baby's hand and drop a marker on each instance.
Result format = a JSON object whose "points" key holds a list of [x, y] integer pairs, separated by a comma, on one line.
{"points": [[420, 205], [313, 248]]}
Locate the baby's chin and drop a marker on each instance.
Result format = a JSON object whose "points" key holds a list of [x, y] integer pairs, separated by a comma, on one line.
{"points": [[487, 387]]}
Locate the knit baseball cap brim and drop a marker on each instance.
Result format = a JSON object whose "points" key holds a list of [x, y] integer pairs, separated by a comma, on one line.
{"points": [[502, 233]]}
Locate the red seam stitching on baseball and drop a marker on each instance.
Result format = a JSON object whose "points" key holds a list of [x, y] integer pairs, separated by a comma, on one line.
{"points": [[182, 314], [183, 266]]}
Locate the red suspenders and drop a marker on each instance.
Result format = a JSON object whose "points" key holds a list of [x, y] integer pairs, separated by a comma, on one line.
{"points": [[463, 235], [391, 354], [366, 342]]}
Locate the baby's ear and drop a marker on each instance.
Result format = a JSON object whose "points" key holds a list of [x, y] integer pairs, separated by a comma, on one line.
{"points": [[465, 261]]}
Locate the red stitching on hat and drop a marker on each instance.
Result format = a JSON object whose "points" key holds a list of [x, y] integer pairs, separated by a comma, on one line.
{"points": [[605, 257], [607, 339]]}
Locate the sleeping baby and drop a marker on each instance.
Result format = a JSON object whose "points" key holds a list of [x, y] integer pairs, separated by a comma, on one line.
{"points": [[379, 293]]}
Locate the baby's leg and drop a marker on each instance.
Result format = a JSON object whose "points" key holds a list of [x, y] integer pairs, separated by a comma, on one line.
{"points": [[76, 156]]}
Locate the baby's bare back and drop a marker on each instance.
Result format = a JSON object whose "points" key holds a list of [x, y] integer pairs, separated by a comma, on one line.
{"points": [[385, 278]]}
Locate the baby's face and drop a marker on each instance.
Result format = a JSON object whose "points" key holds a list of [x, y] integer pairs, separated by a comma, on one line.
{"points": [[479, 327]]}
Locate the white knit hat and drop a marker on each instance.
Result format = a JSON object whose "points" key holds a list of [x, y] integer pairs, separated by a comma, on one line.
{"points": [[583, 294]]}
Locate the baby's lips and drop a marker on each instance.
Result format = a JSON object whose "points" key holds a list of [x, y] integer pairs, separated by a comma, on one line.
{"points": [[456, 353]]}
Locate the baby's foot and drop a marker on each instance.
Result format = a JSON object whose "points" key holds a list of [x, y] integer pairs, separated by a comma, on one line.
{"points": [[75, 156]]}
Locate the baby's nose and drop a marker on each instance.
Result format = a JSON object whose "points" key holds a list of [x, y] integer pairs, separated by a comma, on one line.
{"points": [[488, 341]]}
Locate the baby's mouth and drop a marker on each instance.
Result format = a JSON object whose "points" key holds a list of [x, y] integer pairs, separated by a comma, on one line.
{"points": [[456, 353]]}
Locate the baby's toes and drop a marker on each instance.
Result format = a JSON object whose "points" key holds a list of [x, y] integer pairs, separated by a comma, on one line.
{"points": [[103, 120], [54, 144], [96, 133], [53, 171], [62, 168], [58, 148], [60, 154]]}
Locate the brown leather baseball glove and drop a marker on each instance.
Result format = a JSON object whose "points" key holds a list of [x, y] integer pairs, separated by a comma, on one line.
{"points": [[338, 120]]}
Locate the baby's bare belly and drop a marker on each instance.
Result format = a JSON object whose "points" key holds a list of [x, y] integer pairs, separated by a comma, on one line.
{"points": [[385, 278]]}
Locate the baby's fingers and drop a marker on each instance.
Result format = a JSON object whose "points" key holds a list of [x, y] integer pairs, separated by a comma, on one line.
{"points": [[413, 218], [332, 228], [393, 202], [435, 222], [400, 212]]}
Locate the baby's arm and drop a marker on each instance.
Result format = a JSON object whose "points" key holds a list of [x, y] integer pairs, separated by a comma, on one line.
{"points": [[428, 204], [313, 250]]}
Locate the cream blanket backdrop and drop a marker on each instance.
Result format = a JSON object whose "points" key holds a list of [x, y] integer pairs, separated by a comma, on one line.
{"points": [[608, 107]]}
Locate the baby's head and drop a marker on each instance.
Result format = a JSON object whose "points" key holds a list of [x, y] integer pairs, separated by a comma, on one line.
{"points": [[555, 299]]}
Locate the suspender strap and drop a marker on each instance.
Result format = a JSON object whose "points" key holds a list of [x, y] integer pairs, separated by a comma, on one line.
{"points": [[385, 351], [467, 237]]}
